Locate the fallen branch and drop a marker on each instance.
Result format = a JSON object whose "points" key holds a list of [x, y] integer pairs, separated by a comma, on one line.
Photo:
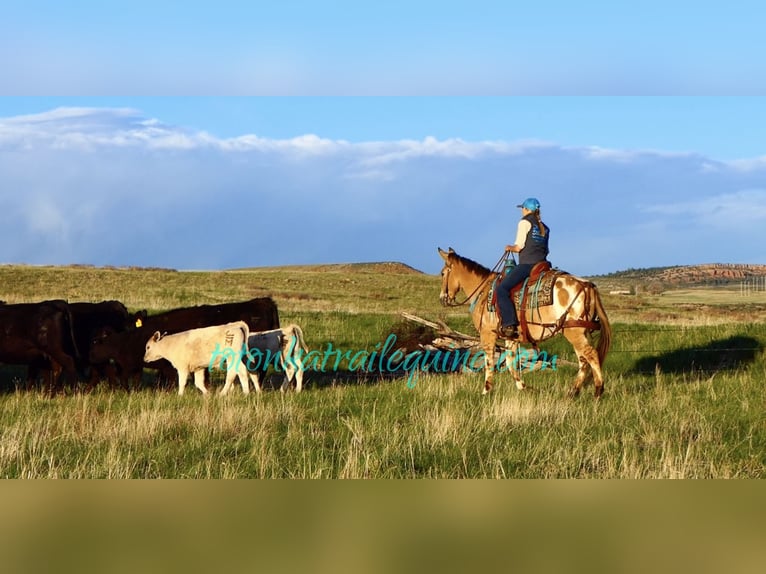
{"points": [[440, 327], [449, 340]]}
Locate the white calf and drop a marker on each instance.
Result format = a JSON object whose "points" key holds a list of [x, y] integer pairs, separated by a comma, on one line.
{"points": [[198, 349], [288, 343]]}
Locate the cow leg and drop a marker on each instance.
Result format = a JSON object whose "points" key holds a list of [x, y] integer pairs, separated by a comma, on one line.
{"points": [[199, 380], [299, 375], [70, 369], [183, 374], [93, 379], [289, 370], [294, 371], [53, 377], [242, 375], [254, 378], [231, 373], [34, 372], [110, 373], [56, 365], [133, 379]]}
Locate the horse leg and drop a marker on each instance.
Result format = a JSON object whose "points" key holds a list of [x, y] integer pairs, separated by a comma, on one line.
{"points": [[488, 344], [595, 366], [582, 375], [589, 363], [512, 362]]}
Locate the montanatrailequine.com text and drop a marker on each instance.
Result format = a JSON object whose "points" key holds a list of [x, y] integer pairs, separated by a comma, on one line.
{"points": [[385, 358]]}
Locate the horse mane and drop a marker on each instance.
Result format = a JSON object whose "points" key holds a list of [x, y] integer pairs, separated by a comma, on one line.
{"points": [[471, 265]]}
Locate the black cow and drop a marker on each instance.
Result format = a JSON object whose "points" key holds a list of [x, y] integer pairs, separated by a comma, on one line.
{"points": [[126, 350], [93, 321], [39, 334]]}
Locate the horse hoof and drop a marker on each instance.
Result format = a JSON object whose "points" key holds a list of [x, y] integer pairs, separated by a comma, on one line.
{"points": [[520, 385], [574, 393], [599, 391]]}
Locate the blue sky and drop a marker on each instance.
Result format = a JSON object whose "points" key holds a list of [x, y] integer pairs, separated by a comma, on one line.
{"points": [[347, 47], [368, 130]]}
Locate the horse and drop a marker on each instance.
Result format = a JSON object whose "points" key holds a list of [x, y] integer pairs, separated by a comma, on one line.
{"points": [[576, 311]]}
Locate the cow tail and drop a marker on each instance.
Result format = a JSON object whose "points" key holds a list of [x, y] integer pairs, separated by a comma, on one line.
{"points": [[301, 341], [246, 333], [70, 324]]}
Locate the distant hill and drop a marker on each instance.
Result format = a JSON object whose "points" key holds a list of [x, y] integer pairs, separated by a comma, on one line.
{"points": [[690, 275], [383, 268]]}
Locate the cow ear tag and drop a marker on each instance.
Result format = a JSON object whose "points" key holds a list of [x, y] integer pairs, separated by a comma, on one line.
{"points": [[139, 322]]}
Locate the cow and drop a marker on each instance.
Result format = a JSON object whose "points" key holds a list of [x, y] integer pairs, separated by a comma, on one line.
{"points": [[126, 350], [95, 320], [40, 335], [195, 350], [285, 345], [91, 321]]}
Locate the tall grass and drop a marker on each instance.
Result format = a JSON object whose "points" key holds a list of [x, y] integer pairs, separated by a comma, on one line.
{"points": [[682, 401], [662, 428]]}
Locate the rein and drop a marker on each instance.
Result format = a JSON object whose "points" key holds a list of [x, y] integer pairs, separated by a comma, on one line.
{"points": [[495, 269]]}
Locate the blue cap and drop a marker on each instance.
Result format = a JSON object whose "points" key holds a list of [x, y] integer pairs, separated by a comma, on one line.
{"points": [[531, 204]]}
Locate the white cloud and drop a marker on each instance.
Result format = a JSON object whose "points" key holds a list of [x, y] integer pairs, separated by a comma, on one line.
{"points": [[597, 153], [103, 181], [752, 164], [70, 118], [726, 210]]}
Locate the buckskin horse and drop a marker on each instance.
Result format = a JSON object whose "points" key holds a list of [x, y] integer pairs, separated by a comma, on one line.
{"points": [[575, 310]]}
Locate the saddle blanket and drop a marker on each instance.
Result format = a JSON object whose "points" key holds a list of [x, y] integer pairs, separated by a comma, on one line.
{"points": [[539, 291]]}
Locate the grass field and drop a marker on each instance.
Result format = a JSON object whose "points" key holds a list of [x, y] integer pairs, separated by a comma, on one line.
{"points": [[684, 392]]}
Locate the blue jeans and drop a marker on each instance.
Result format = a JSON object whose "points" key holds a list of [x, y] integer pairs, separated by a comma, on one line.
{"points": [[507, 308]]}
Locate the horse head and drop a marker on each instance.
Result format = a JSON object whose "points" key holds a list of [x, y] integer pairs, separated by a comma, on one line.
{"points": [[450, 281]]}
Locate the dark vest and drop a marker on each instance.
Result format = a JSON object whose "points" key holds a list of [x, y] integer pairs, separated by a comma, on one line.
{"points": [[536, 246]]}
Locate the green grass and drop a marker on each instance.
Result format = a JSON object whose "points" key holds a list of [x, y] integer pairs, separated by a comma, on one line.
{"points": [[658, 427], [363, 290], [683, 399]]}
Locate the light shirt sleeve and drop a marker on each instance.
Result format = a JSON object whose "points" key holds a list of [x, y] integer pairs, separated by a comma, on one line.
{"points": [[521, 233]]}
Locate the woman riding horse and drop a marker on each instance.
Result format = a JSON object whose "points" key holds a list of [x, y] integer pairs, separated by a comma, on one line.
{"points": [[532, 246], [574, 309]]}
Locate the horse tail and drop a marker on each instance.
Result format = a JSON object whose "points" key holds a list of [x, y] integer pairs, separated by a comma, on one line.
{"points": [[605, 339]]}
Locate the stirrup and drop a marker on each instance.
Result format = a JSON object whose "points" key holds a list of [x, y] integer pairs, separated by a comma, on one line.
{"points": [[511, 332]]}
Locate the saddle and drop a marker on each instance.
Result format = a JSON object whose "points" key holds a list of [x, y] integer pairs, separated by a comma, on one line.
{"points": [[535, 275], [534, 292]]}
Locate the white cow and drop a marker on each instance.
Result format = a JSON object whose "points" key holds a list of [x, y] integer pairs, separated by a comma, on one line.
{"points": [[198, 349], [287, 343]]}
